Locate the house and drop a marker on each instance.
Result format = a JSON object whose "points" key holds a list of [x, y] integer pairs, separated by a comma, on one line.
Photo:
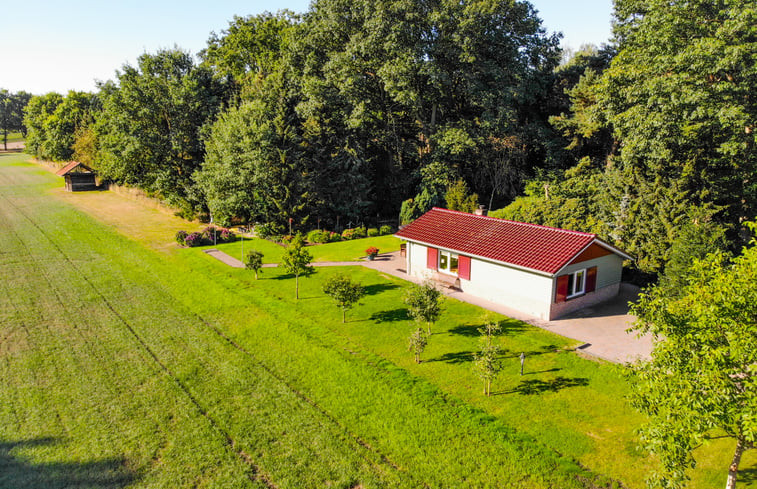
{"points": [[78, 177], [542, 271]]}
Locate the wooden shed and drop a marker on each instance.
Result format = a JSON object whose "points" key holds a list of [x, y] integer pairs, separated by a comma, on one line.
{"points": [[79, 177]]}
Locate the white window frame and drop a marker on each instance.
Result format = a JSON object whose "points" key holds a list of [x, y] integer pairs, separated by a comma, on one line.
{"points": [[574, 291], [449, 255]]}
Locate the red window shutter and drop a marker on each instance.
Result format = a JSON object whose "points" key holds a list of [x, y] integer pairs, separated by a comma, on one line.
{"points": [[562, 288], [431, 258], [463, 267], [591, 279]]}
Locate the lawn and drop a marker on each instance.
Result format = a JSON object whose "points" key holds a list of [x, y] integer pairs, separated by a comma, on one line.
{"points": [[129, 362], [340, 251]]}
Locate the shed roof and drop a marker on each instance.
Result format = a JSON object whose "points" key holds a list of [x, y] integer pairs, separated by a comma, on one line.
{"points": [[71, 167], [530, 246]]}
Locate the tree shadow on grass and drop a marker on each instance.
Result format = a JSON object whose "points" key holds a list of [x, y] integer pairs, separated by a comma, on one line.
{"points": [[378, 288], [17, 473], [747, 475], [391, 315], [509, 327], [456, 357], [542, 350], [525, 372], [537, 387]]}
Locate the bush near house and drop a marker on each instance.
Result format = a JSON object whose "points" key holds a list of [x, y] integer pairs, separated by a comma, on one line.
{"points": [[385, 229], [372, 232], [205, 237], [268, 230]]}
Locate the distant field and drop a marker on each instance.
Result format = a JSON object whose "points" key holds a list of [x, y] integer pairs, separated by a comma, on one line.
{"points": [[133, 363]]}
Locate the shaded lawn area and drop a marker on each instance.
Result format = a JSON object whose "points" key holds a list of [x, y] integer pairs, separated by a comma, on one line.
{"points": [[574, 406], [352, 250]]}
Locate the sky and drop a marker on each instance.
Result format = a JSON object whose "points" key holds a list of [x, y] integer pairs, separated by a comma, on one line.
{"points": [[58, 46]]}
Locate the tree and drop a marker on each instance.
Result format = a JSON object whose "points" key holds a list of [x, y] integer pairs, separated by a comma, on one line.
{"points": [[417, 343], [487, 362], [296, 260], [459, 198], [679, 99], [253, 165], [424, 303], [254, 261], [344, 291], [149, 132], [702, 377], [251, 48], [12, 113], [36, 114]]}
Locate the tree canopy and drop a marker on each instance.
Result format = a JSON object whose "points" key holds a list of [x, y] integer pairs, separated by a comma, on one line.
{"points": [[149, 130], [701, 379]]}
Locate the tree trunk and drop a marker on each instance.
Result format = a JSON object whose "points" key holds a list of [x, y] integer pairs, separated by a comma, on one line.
{"points": [[297, 287], [733, 469], [344, 314], [256, 274]]}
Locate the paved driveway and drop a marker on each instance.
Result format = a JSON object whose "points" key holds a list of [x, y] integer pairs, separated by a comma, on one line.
{"points": [[601, 328]]}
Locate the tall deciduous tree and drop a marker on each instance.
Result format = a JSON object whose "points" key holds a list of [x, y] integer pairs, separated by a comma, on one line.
{"points": [[149, 132], [406, 84], [251, 48], [12, 113], [702, 379], [296, 260], [679, 97], [36, 114]]}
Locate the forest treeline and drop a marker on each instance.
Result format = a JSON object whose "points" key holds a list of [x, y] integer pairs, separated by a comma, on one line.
{"points": [[362, 110]]}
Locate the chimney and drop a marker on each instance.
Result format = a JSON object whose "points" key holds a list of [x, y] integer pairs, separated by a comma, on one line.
{"points": [[481, 211]]}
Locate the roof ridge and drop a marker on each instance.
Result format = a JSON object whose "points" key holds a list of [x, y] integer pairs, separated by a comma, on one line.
{"points": [[528, 224]]}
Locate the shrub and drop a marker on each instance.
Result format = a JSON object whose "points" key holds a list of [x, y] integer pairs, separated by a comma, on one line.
{"points": [[334, 237], [385, 229], [207, 234], [315, 236], [372, 232], [226, 235], [348, 234], [286, 239], [194, 239], [268, 230], [359, 233], [326, 236], [181, 237]]}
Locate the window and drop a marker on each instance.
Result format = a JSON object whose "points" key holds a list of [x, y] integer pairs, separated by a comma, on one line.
{"points": [[576, 283], [448, 262]]}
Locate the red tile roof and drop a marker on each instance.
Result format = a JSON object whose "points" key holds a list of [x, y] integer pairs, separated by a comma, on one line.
{"points": [[70, 167], [530, 246]]}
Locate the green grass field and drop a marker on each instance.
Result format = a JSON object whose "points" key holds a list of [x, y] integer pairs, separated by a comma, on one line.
{"points": [[341, 251], [14, 137], [131, 363]]}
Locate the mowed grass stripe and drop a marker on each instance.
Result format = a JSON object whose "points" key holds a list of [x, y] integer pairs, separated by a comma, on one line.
{"points": [[344, 457], [75, 378]]}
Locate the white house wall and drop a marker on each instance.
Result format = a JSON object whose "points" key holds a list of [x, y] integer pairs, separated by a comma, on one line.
{"points": [[609, 269], [525, 291]]}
